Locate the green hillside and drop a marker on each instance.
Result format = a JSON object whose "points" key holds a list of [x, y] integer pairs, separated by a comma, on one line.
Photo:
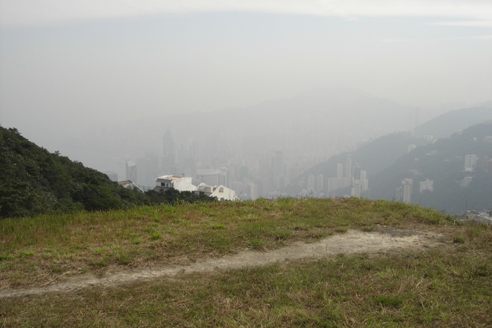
{"points": [[35, 181]]}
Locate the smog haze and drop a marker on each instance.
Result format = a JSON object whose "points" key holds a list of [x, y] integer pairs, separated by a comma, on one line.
{"points": [[236, 84]]}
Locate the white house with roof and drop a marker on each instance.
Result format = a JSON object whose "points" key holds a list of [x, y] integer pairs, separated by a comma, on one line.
{"points": [[177, 182], [220, 192], [180, 183]]}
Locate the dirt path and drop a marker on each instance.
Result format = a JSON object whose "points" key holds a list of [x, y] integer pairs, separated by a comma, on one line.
{"points": [[351, 242]]}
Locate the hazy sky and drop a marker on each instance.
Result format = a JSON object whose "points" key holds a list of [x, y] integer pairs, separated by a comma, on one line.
{"points": [[73, 62]]}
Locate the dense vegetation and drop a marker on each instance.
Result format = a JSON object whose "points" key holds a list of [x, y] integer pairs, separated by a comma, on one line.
{"points": [[35, 181]]}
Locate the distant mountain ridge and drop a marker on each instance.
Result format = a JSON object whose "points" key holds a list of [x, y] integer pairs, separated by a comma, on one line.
{"points": [[333, 119], [387, 162], [446, 124]]}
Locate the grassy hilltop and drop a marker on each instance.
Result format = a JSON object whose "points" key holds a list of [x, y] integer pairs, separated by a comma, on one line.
{"points": [[446, 286]]}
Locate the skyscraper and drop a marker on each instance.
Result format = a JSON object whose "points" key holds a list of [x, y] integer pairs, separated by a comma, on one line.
{"points": [[348, 168], [470, 162], [407, 190], [356, 188], [131, 171]]}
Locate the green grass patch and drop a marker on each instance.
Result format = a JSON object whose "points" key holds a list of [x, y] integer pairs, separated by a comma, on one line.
{"points": [[164, 234], [426, 289], [447, 286]]}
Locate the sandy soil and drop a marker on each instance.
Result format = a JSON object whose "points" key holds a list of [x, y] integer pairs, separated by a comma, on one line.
{"points": [[351, 242]]}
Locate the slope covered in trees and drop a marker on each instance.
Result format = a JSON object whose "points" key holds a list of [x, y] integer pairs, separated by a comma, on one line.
{"points": [[35, 181]]}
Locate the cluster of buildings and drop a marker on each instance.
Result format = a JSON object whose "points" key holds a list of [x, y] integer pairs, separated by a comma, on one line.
{"points": [[404, 192], [471, 162], [266, 174], [250, 176], [353, 176], [267, 177], [181, 184]]}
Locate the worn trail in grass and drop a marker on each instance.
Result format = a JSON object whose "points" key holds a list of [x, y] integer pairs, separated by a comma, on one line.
{"points": [[352, 241]]}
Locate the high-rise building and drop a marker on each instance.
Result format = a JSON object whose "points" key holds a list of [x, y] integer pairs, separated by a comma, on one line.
{"points": [[407, 190], [470, 162], [426, 185], [356, 188], [363, 180], [348, 168], [131, 171], [320, 185]]}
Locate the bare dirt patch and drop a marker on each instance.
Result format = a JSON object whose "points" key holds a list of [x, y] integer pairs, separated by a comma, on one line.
{"points": [[353, 241]]}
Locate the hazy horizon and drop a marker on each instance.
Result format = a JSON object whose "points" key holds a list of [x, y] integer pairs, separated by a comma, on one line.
{"points": [[75, 72]]}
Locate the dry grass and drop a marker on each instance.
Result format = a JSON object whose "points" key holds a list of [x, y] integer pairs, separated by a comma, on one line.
{"points": [[445, 287], [36, 251]]}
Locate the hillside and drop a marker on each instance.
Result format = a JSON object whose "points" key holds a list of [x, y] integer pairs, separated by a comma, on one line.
{"points": [[446, 124], [272, 263], [373, 157], [35, 181], [443, 162]]}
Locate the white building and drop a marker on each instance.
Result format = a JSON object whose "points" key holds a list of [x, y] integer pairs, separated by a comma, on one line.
{"points": [[465, 182], [356, 188], [407, 190], [220, 192], [470, 162], [426, 185], [179, 183], [364, 181]]}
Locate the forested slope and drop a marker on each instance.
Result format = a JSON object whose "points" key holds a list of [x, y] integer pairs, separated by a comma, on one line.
{"points": [[34, 181]]}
